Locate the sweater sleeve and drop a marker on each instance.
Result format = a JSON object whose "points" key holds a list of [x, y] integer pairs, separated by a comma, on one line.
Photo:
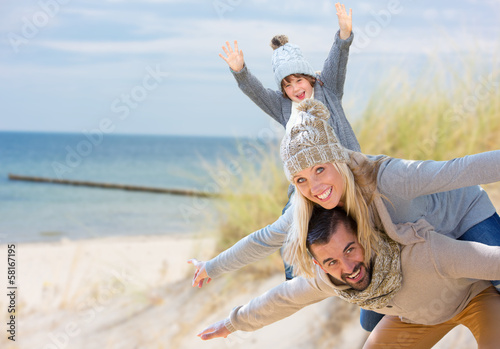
{"points": [[335, 67], [464, 259], [277, 304], [251, 248], [268, 100], [409, 179]]}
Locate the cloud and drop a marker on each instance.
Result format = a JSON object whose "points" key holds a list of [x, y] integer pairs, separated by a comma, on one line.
{"points": [[108, 47]]}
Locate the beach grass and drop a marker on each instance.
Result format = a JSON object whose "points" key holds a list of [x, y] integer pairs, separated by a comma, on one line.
{"points": [[253, 196], [449, 111]]}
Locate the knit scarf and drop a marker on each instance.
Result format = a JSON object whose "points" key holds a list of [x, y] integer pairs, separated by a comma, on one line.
{"points": [[386, 278]]}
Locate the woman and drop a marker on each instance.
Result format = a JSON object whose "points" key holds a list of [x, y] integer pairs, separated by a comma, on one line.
{"points": [[445, 193]]}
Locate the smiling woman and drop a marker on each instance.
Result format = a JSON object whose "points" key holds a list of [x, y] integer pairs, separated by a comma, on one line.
{"points": [[322, 184], [319, 166]]}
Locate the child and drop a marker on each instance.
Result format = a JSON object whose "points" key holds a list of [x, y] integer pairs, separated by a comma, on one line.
{"points": [[297, 80]]}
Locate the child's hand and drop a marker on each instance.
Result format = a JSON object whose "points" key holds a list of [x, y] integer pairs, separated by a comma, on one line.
{"points": [[200, 274], [234, 58], [345, 21]]}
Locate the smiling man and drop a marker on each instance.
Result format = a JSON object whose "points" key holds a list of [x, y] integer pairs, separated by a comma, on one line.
{"points": [[425, 284], [343, 258]]}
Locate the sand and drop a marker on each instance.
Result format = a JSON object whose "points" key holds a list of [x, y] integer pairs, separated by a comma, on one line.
{"points": [[135, 292]]}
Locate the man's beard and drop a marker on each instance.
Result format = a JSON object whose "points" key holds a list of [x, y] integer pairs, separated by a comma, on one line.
{"points": [[362, 284]]}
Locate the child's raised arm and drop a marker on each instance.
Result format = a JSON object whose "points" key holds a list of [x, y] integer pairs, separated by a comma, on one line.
{"points": [[234, 57], [345, 20]]}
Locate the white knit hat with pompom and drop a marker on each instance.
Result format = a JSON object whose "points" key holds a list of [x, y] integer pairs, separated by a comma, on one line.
{"points": [[288, 59]]}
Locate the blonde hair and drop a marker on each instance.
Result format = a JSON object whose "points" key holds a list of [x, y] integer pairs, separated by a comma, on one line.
{"points": [[360, 190]]}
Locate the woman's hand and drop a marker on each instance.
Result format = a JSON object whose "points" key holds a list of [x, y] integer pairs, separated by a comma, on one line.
{"points": [[200, 274], [234, 58], [214, 331], [345, 20]]}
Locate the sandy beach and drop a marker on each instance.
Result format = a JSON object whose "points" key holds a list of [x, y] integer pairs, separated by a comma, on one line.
{"points": [[135, 292]]}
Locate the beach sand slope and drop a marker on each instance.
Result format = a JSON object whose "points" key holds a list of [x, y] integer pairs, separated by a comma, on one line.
{"points": [[135, 292]]}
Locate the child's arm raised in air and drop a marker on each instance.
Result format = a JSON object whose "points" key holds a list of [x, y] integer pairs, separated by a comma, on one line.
{"points": [[335, 67], [234, 58], [270, 101], [345, 21]]}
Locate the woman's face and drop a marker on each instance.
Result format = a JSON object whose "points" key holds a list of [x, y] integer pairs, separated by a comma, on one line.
{"points": [[321, 184]]}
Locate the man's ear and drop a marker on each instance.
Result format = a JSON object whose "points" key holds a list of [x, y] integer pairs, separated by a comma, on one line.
{"points": [[319, 265]]}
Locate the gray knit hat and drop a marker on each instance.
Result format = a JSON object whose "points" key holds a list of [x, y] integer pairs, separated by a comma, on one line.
{"points": [[288, 59], [311, 140]]}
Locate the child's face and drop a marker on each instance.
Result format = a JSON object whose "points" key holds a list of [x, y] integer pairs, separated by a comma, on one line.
{"points": [[297, 89]]}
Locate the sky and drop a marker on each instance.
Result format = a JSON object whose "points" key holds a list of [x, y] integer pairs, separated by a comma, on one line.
{"points": [[152, 66]]}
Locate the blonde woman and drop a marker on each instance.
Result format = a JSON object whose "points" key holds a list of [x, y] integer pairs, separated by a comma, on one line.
{"points": [[444, 193]]}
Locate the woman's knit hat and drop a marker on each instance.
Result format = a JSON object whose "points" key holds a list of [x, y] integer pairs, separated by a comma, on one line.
{"points": [[288, 59], [311, 140]]}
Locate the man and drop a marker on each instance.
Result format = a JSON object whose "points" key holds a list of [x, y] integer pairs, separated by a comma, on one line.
{"points": [[426, 286]]}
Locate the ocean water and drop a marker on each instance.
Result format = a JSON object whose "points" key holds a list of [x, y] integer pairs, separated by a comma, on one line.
{"points": [[45, 211]]}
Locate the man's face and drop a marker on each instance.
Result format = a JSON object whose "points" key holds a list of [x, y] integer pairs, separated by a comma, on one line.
{"points": [[343, 258]]}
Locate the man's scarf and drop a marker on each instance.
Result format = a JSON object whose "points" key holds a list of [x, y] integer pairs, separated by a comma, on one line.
{"points": [[386, 278]]}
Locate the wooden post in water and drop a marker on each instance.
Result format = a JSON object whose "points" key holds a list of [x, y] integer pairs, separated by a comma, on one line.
{"points": [[114, 186]]}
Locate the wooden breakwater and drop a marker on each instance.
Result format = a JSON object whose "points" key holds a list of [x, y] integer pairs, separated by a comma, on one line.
{"points": [[184, 192]]}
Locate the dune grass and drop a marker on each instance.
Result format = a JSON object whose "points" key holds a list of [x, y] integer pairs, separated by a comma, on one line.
{"points": [[253, 196], [447, 112]]}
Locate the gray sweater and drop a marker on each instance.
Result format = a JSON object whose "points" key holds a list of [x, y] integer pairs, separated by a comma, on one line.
{"points": [[444, 193], [438, 282], [329, 90]]}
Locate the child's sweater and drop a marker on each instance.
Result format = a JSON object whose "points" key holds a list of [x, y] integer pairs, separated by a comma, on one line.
{"points": [[329, 90]]}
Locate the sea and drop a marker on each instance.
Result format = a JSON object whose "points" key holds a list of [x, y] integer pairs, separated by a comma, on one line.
{"points": [[39, 211]]}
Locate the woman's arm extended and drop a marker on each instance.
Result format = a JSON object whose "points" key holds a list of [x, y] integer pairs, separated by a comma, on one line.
{"points": [[251, 248], [410, 179]]}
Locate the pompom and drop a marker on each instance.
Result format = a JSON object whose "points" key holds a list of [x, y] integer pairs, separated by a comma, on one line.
{"points": [[315, 108], [278, 41]]}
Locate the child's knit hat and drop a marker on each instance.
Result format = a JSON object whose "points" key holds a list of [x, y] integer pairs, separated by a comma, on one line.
{"points": [[311, 140], [288, 59]]}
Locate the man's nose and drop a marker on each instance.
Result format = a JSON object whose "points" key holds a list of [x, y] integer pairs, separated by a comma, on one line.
{"points": [[349, 266]]}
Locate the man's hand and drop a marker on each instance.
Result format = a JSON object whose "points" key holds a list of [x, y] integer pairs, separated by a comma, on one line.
{"points": [[214, 331], [234, 58], [345, 21], [200, 274]]}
